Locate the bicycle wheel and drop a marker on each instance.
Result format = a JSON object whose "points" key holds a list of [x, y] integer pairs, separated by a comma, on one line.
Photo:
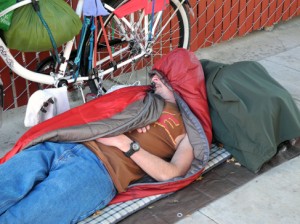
{"points": [[134, 49], [48, 65]]}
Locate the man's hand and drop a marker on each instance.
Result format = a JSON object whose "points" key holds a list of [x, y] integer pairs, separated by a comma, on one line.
{"points": [[122, 142], [153, 165], [162, 170], [143, 129]]}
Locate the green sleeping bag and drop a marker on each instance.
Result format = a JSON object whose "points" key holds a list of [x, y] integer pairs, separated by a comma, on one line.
{"points": [[28, 34], [251, 112]]}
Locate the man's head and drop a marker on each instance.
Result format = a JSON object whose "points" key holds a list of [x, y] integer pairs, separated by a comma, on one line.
{"points": [[182, 71], [161, 89]]}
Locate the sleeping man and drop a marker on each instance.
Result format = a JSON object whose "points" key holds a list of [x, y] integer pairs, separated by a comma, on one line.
{"points": [[122, 137]]}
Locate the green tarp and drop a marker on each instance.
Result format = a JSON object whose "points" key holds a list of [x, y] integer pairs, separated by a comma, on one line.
{"points": [[251, 112], [28, 34]]}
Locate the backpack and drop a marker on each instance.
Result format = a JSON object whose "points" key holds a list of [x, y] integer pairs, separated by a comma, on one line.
{"points": [[28, 34]]}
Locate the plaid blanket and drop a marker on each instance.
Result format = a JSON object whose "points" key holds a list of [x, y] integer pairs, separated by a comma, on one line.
{"points": [[116, 212]]}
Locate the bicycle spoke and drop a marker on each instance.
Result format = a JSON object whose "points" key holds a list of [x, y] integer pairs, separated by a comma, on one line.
{"points": [[131, 46]]}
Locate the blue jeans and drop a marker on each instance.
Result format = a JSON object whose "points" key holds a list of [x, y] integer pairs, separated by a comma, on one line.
{"points": [[53, 183]]}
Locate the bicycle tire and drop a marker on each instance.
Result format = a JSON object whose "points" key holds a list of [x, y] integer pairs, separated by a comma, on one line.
{"points": [[177, 35], [47, 65]]}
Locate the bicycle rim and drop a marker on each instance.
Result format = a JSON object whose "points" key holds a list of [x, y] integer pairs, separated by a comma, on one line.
{"points": [[47, 65], [126, 47]]}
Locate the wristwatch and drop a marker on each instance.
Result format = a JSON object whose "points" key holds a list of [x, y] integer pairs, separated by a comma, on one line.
{"points": [[134, 147]]}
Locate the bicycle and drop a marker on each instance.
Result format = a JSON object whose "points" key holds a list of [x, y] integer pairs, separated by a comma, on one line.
{"points": [[131, 39]]}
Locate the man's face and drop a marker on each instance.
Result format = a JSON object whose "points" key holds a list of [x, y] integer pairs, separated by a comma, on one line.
{"points": [[161, 89]]}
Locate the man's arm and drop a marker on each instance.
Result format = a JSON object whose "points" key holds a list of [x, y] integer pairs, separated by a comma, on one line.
{"points": [[154, 166]]}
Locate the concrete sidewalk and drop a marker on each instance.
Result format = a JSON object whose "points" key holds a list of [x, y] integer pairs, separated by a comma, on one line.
{"points": [[273, 197]]}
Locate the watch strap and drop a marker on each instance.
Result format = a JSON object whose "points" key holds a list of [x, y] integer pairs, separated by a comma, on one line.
{"points": [[131, 150]]}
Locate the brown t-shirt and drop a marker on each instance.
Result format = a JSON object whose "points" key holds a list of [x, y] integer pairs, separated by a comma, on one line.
{"points": [[159, 140]]}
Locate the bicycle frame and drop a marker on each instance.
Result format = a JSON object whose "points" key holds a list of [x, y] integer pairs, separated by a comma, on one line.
{"points": [[148, 6], [59, 78]]}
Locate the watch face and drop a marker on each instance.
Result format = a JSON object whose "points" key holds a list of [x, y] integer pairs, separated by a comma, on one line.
{"points": [[135, 146]]}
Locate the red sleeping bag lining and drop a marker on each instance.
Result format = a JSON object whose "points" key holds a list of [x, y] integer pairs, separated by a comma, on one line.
{"points": [[183, 72], [100, 108]]}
